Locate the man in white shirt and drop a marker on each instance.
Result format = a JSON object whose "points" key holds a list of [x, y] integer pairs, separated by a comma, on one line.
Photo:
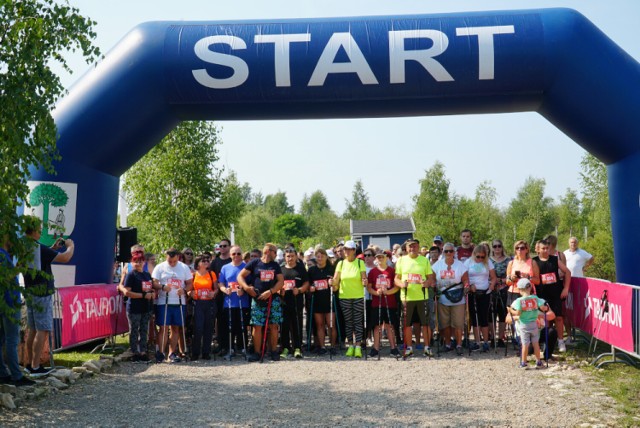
{"points": [[578, 260]]}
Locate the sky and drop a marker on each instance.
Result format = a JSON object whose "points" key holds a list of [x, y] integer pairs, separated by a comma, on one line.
{"points": [[473, 148]]}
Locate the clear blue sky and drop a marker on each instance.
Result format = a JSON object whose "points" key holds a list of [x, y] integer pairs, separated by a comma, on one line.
{"points": [[472, 148]]}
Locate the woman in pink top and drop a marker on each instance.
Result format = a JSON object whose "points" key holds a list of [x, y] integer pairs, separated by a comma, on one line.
{"points": [[521, 266]]}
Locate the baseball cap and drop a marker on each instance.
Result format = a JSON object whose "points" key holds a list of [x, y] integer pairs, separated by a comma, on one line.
{"points": [[412, 241], [381, 253], [330, 253], [438, 238], [524, 283], [171, 251], [350, 244]]}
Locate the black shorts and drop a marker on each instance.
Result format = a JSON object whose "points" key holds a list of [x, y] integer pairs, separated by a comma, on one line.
{"points": [[552, 296], [384, 317]]}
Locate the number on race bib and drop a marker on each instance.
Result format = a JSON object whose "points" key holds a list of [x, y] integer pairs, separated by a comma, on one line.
{"points": [[447, 274], [321, 284], [382, 282], [289, 284], [146, 286], [414, 278], [204, 294], [234, 287], [267, 275], [174, 283], [529, 305], [548, 278]]}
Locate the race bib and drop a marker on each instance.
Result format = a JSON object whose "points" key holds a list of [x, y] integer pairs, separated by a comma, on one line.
{"points": [[414, 278], [548, 278], [267, 275], [447, 274], [529, 305], [382, 282], [321, 284], [204, 294], [174, 283], [146, 286], [234, 287], [289, 284]]}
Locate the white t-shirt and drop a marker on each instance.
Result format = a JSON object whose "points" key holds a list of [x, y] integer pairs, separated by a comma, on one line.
{"points": [[448, 276], [174, 276], [576, 261], [479, 273]]}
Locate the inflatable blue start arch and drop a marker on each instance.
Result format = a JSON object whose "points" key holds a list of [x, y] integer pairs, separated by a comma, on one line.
{"points": [[554, 62]]}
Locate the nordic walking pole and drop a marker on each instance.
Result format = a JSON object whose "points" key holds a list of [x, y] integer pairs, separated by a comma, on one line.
{"points": [[404, 325], [295, 304], [603, 310], [364, 336], [475, 309], [244, 332], [493, 320], [466, 325], [386, 302], [424, 296], [547, 352], [380, 324], [437, 326], [230, 325], [184, 335], [310, 324], [160, 353], [335, 310], [265, 330], [331, 321]]}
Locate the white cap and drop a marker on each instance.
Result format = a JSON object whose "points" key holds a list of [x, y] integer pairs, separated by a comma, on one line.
{"points": [[350, 244], [524, 283]]}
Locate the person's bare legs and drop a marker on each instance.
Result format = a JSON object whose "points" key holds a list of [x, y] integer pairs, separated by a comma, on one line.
{"points": [[38, 345]]}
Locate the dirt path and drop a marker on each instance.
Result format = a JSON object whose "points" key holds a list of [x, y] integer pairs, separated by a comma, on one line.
{"points": [[481, 390]]}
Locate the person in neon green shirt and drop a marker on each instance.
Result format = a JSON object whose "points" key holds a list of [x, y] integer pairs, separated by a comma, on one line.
{"points": [[414, 277], [351, 278]]}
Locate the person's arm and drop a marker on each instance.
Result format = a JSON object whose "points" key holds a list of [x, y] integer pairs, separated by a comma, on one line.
{"points": [[243, 283], [465, 279], [399, 282], [567, 279], [370, 284], [66, 256], [535, 274], [588, 263], [492, 279], [336, 280], [509, 278]]}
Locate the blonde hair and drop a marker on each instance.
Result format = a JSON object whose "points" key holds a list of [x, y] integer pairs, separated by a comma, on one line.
{"points": [[481, 249]]}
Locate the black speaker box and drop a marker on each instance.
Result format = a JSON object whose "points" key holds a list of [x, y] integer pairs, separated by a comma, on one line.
{"points": [[126, 237]]}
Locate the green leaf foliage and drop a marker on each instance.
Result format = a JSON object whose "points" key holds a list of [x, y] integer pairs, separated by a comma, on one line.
{"points": [[177, 193], [34, 35]]}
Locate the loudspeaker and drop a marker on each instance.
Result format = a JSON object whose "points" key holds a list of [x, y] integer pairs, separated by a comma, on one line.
{"points": [[126, 237]]}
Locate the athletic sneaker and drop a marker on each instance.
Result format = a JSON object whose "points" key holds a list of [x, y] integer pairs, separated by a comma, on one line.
{"points": [[459, 350], [23, 381], [428, 352], [39, 372], [523, 365], [485, 347], [358, 352], [448, 348], [284, 353], [373, 353], [351, 351], [253, 357], [144, 358], [408, 352], [275, 356], [135, 358], [539, 364], [27, 369], [395, 352], [500, 343], [562, 347], [475, 346], [173, 358], [323, 351], [298, 354]]}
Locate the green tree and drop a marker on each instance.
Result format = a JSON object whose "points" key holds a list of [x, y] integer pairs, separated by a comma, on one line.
{"points": [[34, 36], [253, 229], [289, 228], [435, 209], [531, 212], [277, 204], [359, 207], [315, 204], [177, 193], [597, 212], [47, 194], [569, 214]]}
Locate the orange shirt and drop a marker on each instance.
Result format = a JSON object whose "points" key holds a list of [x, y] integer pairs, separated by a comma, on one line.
{"points": [[203, 286]]}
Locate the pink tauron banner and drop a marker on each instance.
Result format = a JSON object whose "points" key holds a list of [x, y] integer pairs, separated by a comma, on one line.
{"points": [[585, 307], [89, 312]]}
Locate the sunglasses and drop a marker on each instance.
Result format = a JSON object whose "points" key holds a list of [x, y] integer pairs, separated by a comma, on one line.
{"points": [[497, 246], [223, 246], [368, 255], [480, 257], [236, 254], [188, 254], [448, 251], [521, 248]]}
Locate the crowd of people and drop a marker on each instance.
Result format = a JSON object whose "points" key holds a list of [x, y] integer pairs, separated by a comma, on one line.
{"points": [[284, 303]]}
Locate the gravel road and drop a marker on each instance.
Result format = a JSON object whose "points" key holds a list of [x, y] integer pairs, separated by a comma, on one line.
{"points": [[481, 390]]}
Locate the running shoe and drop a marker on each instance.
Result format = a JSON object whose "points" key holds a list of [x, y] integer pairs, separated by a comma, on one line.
{"points": [[373, 353], [275, 356], [539, 364], [408, 352], [332, 351], [39, 372], [358, 352], [428, 352], [351, 351], [485, 347], [523, 365], [144, 358], [253, 357], [475, 346], [448, 348], [459, 350], [298, 353], [395, 352], [23, 381], [323, 351], [284, 353], [173, 358], [135, 358], [562, 347], [500, 343]]}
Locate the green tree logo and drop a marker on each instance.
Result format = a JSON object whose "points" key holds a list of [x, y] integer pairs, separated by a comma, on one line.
{"points": [[47, 194]]}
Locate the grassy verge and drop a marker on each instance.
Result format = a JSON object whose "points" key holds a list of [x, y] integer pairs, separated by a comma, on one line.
{"points": [[76, 356], [621, 382]]}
